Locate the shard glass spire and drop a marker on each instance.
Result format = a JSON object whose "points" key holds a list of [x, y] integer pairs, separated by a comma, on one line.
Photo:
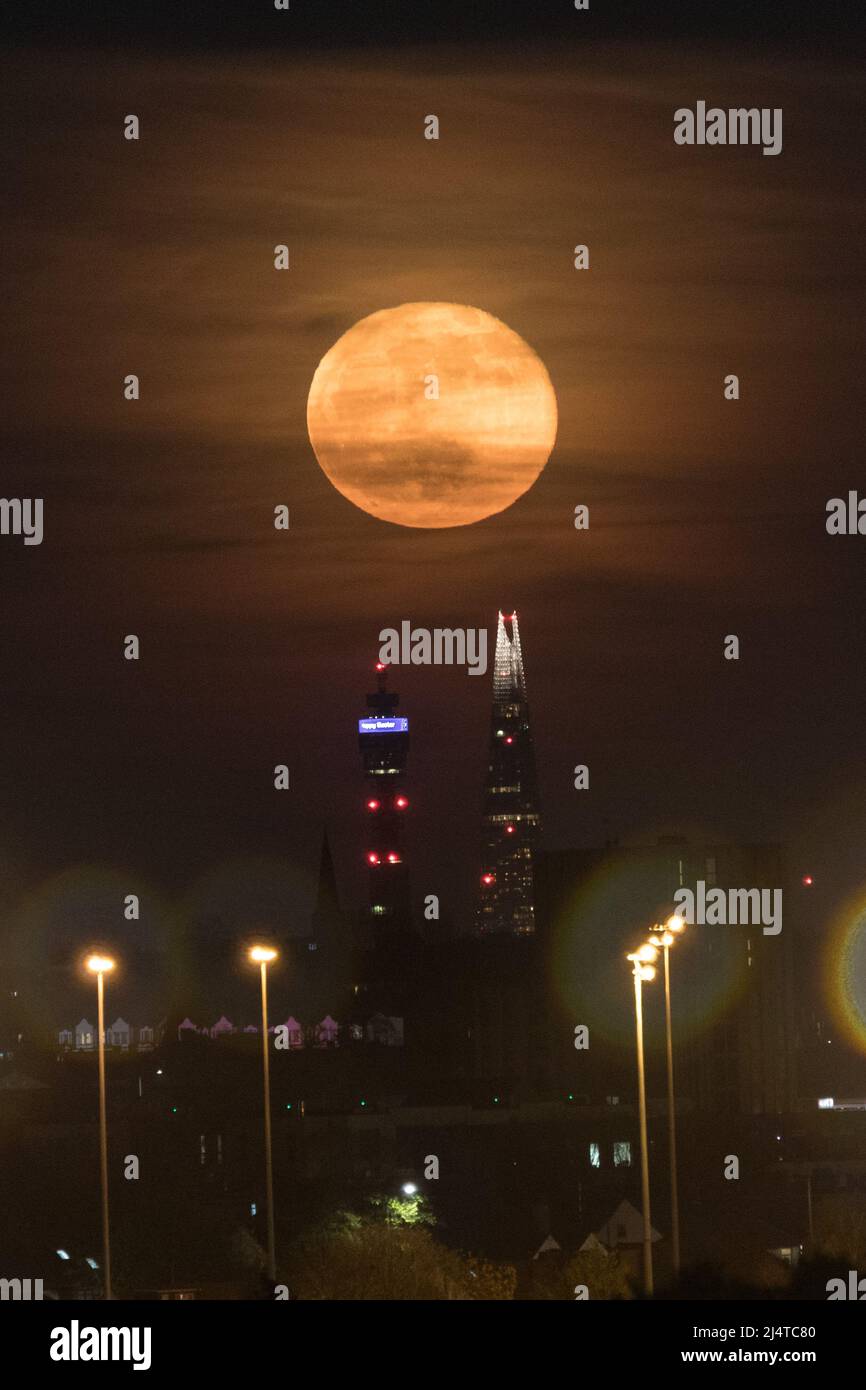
{"points": [[511, 820]]}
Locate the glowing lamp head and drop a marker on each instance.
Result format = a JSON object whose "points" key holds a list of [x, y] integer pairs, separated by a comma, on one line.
{"points": [[409, 1189], [675, 923], [263, 954], [646, 972], [99, 965], [664, 938], [647, 953]]}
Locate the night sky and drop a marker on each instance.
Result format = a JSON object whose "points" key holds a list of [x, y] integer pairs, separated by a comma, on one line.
{"points": [[707, 517]]}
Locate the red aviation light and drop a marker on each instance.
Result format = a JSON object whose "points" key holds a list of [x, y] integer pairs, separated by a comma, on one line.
{"points": [[509, 829], [487, 879], [373, 804], [380, 666], [509, 739], [394, 858], [807, 880], [401, 803], [373, 858]]}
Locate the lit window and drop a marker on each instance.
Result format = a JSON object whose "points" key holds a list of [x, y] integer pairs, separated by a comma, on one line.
{"points": [[594, 1156], [622, 1154]]}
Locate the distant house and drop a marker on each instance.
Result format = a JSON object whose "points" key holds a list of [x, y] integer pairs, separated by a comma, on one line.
{"points": [[591, 1243], [624, 1228], [119, 1034], [294, 1031], [186, 1027], [222, 1028], [385, 1030], [83, 1037], [327, 1032]]}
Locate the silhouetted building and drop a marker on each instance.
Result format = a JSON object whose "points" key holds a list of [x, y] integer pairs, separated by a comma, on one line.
{"points": [[511, 821], [383, 737], [332, 953]]}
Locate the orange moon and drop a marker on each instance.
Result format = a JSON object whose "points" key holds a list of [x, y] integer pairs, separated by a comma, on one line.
{"points": [[431, 415]]}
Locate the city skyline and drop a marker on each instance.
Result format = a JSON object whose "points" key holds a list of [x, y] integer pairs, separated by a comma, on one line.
{"points": [[432, 801], [707, 516]]}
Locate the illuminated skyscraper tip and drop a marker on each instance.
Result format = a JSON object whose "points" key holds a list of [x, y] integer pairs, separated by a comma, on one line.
{"points": [[508, 677], [511, 821]]}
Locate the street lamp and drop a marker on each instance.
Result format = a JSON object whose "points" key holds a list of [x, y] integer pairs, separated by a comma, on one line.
{"points": [[263, 955], [100, 966], [665, 937], [643, 971]]}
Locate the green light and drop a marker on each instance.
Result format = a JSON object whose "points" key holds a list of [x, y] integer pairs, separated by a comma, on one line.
{"points": [[571, 1095], [289, 1106], [363, 1103], [495, 1100], [174, 1110]]}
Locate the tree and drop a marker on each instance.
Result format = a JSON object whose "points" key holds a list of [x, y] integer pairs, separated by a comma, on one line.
{"points": [[840, 1228], [367, 1259], [605, 1276]]}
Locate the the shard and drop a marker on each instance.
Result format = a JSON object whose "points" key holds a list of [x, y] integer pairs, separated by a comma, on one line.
{"points": [[511, 820]]}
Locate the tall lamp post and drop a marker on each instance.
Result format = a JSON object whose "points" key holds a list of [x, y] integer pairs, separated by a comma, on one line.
{"points": [[263, 955], [665, 938], [100, 966], [643, 971]]}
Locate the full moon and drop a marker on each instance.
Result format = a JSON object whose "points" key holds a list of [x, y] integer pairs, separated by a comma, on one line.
{"points": [[431, 415]]}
